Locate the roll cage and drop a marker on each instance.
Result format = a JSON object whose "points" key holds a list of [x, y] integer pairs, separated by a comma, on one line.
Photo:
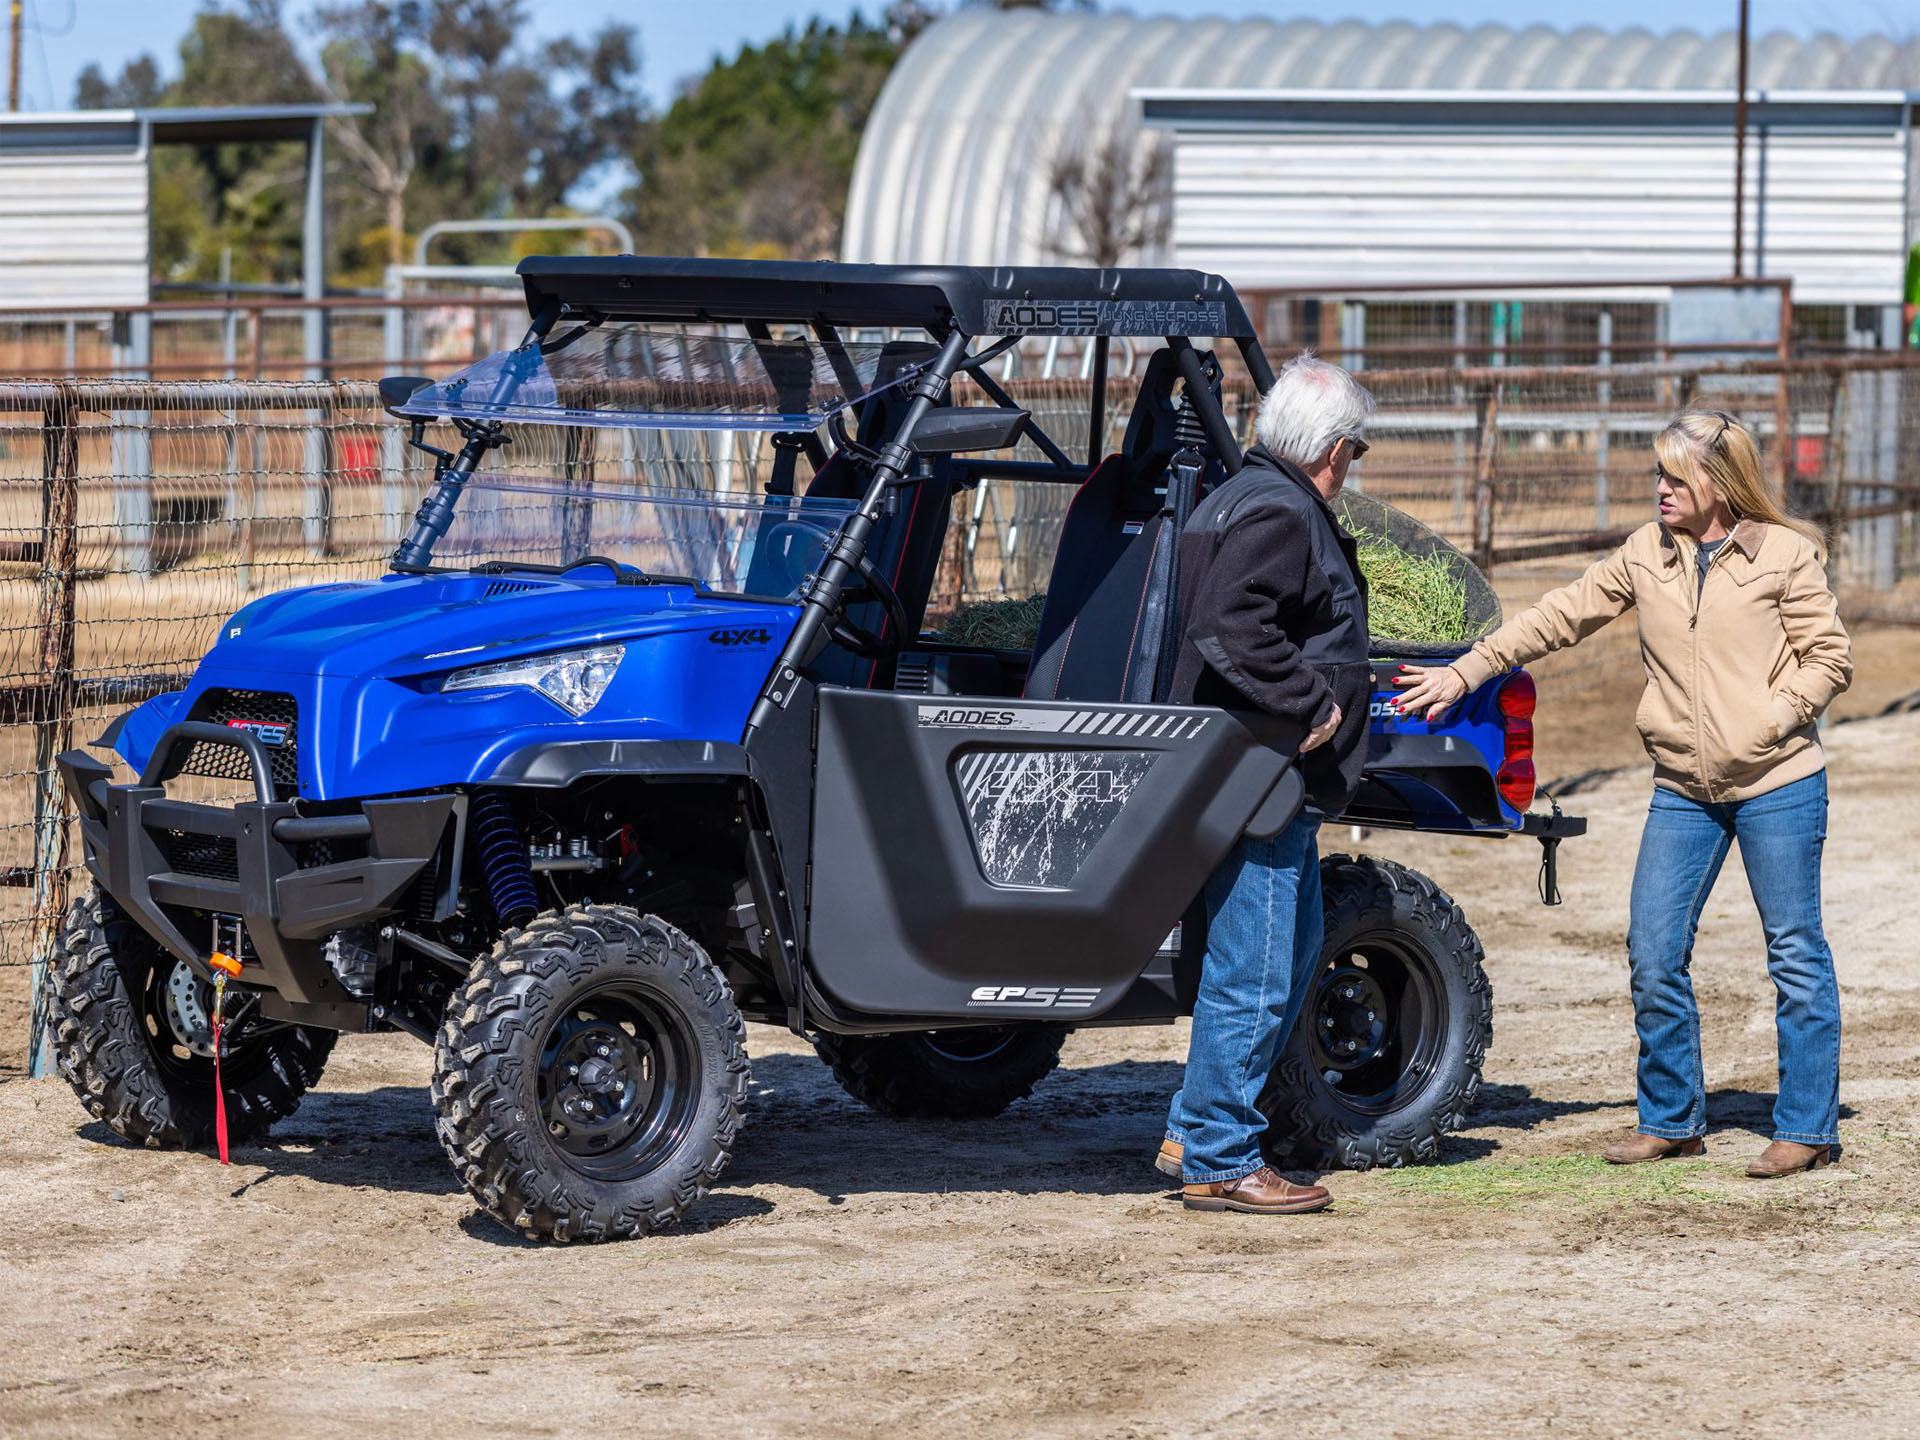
{"points": [[971, 315]]}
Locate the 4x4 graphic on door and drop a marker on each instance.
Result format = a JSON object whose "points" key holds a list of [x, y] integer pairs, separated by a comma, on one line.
{"points": [[1035, 815]]}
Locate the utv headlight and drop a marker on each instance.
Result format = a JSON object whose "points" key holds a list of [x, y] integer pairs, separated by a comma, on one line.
{"points": [[573, 679]]}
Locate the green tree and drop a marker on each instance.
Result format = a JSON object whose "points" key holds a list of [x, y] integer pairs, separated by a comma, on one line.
{"points": [[467, 121], [754, 157]]}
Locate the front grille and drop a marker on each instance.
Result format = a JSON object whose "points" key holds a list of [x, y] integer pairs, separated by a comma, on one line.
{"points": [[205, 857], [312, 854], [229, 762]]}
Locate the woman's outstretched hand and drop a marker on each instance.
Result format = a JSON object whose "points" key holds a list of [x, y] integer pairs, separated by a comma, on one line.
{"points": [[1430, 689]]}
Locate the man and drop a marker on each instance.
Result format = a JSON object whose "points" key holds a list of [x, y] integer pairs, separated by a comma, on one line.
{"points": [[1273, 617]]}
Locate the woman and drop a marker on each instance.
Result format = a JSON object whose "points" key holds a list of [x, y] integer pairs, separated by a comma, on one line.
{"points": [[1743, 648]]}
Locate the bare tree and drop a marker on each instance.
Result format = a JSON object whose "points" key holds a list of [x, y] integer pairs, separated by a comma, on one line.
{"points": [[1113, 197]]}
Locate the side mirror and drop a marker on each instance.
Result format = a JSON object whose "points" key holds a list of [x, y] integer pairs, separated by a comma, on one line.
{"points": [[396, 390], [956, 428]]}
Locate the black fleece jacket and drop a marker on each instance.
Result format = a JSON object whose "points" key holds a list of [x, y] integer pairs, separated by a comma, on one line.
{"points": [[1273, 616]]}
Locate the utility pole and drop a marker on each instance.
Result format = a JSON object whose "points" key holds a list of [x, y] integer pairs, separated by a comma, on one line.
{"points": [[17, 18], [1740, 155]]}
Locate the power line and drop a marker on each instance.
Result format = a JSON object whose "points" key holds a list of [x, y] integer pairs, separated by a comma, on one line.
{"points": [[17, 19]]}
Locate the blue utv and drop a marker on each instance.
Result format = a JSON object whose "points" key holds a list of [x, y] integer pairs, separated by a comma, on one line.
{"points": [[600, 770]]}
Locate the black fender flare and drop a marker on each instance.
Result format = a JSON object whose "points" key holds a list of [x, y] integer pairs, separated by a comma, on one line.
{"points": [[556, 764]]}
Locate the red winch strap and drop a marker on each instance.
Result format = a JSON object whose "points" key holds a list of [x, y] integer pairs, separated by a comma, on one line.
{"points": [[219, 1098]]}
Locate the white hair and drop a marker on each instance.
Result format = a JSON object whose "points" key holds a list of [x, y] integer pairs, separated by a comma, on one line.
{"points": [[1312, 406]]}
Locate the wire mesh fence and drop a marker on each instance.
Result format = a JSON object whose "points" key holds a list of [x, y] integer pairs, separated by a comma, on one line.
{"points": [[135, 517]]}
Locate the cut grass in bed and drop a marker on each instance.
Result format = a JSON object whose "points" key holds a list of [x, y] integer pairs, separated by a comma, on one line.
{"points": [[1413, 598]]}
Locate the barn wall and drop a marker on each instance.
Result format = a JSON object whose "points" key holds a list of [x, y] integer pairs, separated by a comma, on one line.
{"points": [[1449, 193], [73, 215]]}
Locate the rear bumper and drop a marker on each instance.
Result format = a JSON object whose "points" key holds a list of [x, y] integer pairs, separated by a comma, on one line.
{"points": [[173, 865]]}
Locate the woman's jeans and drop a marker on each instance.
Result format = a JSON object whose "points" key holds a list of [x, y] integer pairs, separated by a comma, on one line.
{"points": [[1780, 835], [1264, 930]]}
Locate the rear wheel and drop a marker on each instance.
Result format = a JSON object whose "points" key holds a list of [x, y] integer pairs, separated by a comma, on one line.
{"points": [[132, 1035], [1386, 1056], [591, 1075], [943, 1074]]}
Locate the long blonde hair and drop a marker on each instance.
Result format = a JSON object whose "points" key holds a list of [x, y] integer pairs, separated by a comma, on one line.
{"points": [[1712, 449]]}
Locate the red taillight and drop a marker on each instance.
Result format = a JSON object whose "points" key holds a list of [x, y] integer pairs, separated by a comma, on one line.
{"points": [[1515, 779], [1517, 696]]}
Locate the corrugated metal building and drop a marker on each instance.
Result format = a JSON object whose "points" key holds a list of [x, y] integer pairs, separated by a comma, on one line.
{"points": [[1348, 154], [73, 210], [76, 189], [1280, 189]]}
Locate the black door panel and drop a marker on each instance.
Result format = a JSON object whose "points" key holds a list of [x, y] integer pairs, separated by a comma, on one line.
{"points": [[1022, 858]]}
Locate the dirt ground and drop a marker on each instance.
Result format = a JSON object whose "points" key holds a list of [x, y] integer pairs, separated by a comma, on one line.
{"points": [[855, 1275]]}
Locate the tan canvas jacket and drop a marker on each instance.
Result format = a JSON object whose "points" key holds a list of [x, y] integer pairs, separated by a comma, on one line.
{"points": [[1734, 682]]}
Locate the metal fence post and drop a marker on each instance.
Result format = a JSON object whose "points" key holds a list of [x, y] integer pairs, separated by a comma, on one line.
{"points": [[53, 699], [132, 444], [1487, 406], [1834, 475], [1603, 440]]}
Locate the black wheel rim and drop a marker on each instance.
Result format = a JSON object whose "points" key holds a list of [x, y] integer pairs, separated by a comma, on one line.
{"points": [[619, 1082], [968, 1046], [1375, 1018]]}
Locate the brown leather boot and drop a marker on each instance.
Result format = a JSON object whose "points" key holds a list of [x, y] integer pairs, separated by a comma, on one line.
{"points": [[1785, 1157], [1167, 1162], [1262, 1193], [1636, 1148]]}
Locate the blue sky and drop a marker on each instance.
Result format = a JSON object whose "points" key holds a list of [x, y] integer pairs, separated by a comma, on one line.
{"points": [[680, 38]]}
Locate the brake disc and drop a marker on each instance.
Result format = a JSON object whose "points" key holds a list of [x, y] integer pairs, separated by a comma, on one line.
{"points": [[188, 997]]}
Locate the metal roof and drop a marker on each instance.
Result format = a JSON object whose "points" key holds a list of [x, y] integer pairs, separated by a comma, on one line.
{"points": [[954, 163], [1024, 300], [165, 125]]}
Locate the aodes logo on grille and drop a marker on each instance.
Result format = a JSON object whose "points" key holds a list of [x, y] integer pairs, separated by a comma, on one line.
{"points": [[271, 733]]}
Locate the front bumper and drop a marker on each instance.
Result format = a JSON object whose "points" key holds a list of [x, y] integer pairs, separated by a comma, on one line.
{"points": [[293, 879]]}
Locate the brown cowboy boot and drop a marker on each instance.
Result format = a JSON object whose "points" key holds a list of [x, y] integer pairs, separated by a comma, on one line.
{"points": [[1636, 1148], [1262, 1193], [1167, 1162], [1786, 1157]]}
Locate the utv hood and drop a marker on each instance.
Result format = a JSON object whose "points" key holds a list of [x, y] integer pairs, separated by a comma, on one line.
{"points": [[358, 670]]}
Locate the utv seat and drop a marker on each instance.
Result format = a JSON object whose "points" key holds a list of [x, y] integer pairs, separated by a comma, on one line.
{"points": [[1101, 630], [1104, 629]]}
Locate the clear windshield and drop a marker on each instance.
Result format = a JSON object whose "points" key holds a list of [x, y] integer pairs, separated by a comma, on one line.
{"points": [[636, 377], [736, 544]]}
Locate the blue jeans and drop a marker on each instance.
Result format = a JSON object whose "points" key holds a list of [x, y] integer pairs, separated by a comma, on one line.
{"points": [[1263, 944], [1780, 835]]}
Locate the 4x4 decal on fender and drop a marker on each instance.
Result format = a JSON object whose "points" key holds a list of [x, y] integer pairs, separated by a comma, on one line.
{"points": [[752, 635]]}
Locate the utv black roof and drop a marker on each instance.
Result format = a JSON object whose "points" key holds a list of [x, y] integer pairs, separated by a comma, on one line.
{"points": [[1010, 300]]}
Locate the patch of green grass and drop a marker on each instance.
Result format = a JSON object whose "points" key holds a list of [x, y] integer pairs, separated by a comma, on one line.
{"points": [[1412, 597], [1570, 1179]]}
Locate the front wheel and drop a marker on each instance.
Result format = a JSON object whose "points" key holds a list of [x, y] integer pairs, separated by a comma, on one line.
{"points": [[133, 1035], [591, 1075], [1386, 1055]]}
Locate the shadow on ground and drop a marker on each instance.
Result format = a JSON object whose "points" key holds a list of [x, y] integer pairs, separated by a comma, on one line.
{"points": [[1086, 1130]]}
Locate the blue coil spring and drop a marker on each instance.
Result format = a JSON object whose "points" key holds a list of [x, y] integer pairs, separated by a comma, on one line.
{"points": [[502, 853]]}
